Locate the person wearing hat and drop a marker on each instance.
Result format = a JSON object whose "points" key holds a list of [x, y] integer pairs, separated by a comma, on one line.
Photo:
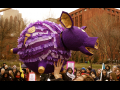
{"points": [[83, 71], [6, 68], [4, 65], [14, 70]]}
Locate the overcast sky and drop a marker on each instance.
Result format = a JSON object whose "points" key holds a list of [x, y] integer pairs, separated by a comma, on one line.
{"points": [[34, 14]]}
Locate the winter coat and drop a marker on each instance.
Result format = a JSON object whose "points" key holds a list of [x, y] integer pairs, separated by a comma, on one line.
{"points": [[5, 78], [65, 77], [16, 78]]}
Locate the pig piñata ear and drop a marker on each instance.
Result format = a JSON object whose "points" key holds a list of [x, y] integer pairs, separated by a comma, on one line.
{"points": [[66, 20]]}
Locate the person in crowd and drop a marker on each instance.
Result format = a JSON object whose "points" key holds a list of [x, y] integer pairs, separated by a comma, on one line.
{"points": [[4, 65], [14, 70], [11, 75], [52, 76], [2, 72], [18, 76], [104, 75], [5, 77], [107, 68], [93, 75], [88, 78], [75, 71], [6, 68], [98, 74], [27, 74], [78, 74], [89, 70], [69, 73], [113, 76], [114, 69], [24, 72], [83, 70], [80, 78], [118, 67], [118, 74]]}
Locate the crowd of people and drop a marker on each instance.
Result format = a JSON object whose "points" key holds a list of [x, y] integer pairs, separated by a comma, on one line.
{"points": [[13, 74], [83, 74]]}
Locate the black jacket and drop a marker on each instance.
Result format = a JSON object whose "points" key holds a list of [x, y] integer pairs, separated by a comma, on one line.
{"points": [[5, 78], [18, 79]]}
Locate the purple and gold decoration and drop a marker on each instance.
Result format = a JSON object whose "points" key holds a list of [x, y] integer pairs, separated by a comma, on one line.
{"points": [[42, 43]]}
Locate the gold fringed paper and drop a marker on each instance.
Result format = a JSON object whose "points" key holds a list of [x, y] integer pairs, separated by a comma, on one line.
{"points": [[31, 30], [25, 40], [65, 19]]}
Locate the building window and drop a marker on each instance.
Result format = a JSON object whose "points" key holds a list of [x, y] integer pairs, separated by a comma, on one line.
{"points": [[112, 11], [89, 8], [108, 10], [76, 13], [117, 18], [116, 12], [76, 21], [103, 8], [81, 11], [80, 20], [72, 14], [85, 9]]}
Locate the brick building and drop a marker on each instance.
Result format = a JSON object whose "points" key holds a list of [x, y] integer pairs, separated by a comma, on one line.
{"points": [[82, 15]]}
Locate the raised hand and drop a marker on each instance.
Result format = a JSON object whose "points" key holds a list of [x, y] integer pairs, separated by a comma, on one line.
{"points": [[57, 69]]}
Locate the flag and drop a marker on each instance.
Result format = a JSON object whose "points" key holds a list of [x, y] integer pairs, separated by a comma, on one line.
{"points": [[22, 75], [103, 67]]}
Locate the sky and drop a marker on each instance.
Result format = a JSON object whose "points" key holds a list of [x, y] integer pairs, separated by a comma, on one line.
{"points": [[34, 14]]}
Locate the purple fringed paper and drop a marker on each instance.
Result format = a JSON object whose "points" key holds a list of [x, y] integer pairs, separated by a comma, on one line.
{"points": [[35, 49]]}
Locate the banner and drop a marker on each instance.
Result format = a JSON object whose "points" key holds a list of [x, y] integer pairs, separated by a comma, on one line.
{"points": [[32, 76], [70, 64]]}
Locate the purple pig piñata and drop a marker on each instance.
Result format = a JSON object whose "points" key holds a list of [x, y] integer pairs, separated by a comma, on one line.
{"points": [[42, 43]]}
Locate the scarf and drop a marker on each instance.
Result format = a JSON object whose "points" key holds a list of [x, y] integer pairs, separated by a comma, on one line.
{"points": [[71, 75], [18, 76]]}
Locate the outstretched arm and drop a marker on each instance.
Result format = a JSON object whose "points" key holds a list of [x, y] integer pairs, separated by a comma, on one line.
{"points": [[57, 69]]}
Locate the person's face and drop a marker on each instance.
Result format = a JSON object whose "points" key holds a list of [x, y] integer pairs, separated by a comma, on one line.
{"points": [[70, 71], [99, 71], [4, 64], [74, 70], [18, 73], [114, 69], [2, 71], [107, 68], [88, 71], [6, 67], [82, 71], [104, 72], [10, 71], [110, 76], [117, 72], [78, 74], [14, 70], [5, 75], [93, 75], [27, 70]]}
